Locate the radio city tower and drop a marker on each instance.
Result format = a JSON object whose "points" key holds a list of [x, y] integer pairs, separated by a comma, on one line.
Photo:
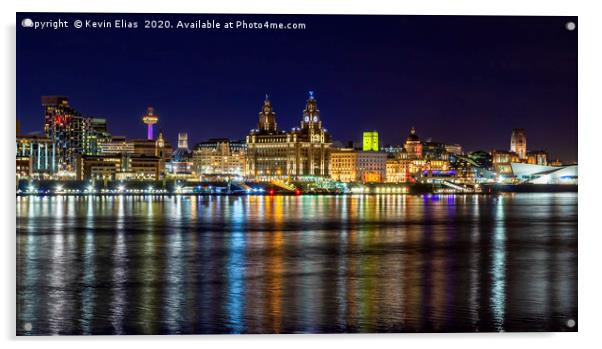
{"points": [[150, 119]]}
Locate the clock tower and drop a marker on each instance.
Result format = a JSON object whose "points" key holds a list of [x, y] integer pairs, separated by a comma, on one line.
{"points": [[267, 117], [311, 114]]}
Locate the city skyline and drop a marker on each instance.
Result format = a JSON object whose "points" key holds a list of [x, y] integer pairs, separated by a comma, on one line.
{"points": [[515, 77], [357, 142]]}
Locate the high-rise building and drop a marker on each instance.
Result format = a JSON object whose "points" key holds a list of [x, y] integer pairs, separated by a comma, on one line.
{"points": [[97, 134], [518, 143], [150, 118], [66, 128], [370, 141], [303, 152]]}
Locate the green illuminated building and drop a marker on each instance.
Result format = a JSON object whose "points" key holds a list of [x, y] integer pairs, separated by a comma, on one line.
{"points": [[370, 142]]}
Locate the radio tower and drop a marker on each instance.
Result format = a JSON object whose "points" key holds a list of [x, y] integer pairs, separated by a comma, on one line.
{"points": [[150, 119]]}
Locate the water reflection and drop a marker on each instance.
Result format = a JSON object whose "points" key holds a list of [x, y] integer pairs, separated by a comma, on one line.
{"points": [[149, 265], [498, 267]]}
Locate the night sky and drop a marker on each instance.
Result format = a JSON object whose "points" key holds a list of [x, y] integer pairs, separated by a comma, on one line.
{"points": [[466, 80]]}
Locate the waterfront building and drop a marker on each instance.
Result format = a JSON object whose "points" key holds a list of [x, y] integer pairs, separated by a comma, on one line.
{"points": [[370, 141], [350, 165], [518, 143], [220, 158], [66, 128], [431, 167], [141, 167], [343, 162], [118, 167], [99, 167], [36, 157], [302, 153], [413, 145], [371, 166], [539, 174], [397, 169], [149, 147], [537, 158]]}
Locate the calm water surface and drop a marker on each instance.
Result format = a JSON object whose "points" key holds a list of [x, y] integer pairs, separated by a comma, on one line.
{"points": [[167, 265]]}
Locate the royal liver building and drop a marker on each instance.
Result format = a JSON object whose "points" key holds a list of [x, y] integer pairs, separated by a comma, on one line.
{"points": [[297, 155]]}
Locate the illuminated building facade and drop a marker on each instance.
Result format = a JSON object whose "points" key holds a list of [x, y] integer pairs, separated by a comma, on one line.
{"points": [[556, 163], [116, 145], [540, 174], [217, 158], [303, 152], [434, 150], [159, 147], [36, 157], [66, 129], [139, 167], [370, 141], [455, 149], [501, 161], [518, 143], [537, 158], [349, 165], [343, 162], [413, 145], [371, 166], [96, 134], [397, 170], [118, 167], [99, 167]]}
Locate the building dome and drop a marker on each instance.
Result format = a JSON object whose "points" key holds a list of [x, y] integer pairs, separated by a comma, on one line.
{"points": [[413, 137]]}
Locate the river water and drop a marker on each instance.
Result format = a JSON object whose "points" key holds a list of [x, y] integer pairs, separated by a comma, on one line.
{"points": [[296, 264]]}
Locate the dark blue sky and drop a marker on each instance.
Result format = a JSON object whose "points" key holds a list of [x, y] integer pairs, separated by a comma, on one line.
{"points": [[466, 80]]}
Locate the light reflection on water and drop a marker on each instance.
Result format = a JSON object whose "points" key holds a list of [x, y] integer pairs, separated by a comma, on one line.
{"points": [[391, 263]]}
